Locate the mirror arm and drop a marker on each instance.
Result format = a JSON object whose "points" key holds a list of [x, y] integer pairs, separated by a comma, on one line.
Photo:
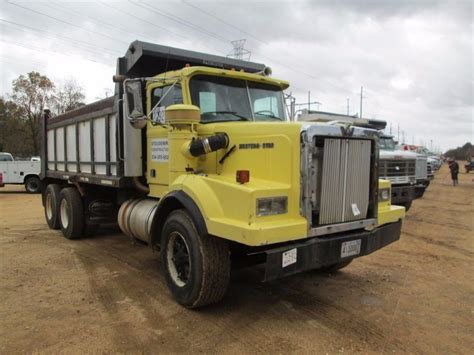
{"points": [[161, 99]]}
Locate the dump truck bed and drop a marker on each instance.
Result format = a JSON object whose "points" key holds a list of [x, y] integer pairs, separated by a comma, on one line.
{"points": [[83, 145]]}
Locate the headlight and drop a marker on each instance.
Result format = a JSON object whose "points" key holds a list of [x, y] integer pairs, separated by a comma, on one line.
{"points": [[384, 195], [272, 205]]}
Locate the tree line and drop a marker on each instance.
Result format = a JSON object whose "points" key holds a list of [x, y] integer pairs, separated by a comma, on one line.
{"points": [[461, 153], [21, 111]]}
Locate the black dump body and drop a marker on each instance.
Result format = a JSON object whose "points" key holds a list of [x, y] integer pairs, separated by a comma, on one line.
{"points": [[87, 144]]}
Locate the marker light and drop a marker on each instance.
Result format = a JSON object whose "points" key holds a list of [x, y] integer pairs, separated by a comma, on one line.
{"points": [[242, 176]]}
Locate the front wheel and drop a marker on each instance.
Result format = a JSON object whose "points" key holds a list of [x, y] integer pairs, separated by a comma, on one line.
{"points": [[196, 267], [33, 185]]}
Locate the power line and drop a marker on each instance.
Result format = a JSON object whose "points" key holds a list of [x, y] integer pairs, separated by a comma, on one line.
{"points": [[222, 21], [101, 23], [140, 19], [64, 38], [48, 50], [65, 22], [179, 20]]}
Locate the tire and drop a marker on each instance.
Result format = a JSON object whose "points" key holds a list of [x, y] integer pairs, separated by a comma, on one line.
{"points": [[336, 267], [201, 274], [51, 205], [33, 185], [71, 213]]}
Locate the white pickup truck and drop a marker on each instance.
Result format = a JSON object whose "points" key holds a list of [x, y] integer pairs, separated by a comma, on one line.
{"points": [[20, 172]]}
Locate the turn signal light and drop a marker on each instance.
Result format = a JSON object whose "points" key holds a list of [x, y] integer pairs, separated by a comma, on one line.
{"points": [[242, 176]]}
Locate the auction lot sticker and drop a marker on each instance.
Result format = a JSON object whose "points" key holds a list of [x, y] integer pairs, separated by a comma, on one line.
{"points": [[289, 257]]}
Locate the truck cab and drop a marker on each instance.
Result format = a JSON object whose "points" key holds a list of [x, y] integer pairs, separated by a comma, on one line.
{"points": [[207, 169]]}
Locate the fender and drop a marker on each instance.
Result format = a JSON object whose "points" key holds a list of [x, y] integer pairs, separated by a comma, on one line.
{"points": [[176, 200]]}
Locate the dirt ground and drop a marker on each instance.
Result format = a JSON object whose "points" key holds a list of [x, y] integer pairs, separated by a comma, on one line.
{"points": [[107, 294]]}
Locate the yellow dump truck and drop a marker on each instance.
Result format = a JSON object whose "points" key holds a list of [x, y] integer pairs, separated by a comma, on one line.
{"points": [[194, 155]]}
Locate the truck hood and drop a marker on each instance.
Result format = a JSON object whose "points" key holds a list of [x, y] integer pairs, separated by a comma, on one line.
{"points": [[397, 154]]}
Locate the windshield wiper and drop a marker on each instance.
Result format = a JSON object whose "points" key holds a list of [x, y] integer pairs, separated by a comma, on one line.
{"points": [[242, 118], [269, 115]]}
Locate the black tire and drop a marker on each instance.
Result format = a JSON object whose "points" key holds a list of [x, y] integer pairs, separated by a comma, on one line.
{"points": [[336, 267], [71, 213], [33, 185], [51, 205], [202, 276], [407, 205]]}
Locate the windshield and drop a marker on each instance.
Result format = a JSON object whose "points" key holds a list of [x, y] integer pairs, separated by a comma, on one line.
{"points": [[387, 143], [5, 157], [225, 99]]}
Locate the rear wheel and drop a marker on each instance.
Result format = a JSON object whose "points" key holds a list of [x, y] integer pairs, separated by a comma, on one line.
{"points": [[71, 214], [196, 268], [33, 185], [335, 267], [51, 205]]}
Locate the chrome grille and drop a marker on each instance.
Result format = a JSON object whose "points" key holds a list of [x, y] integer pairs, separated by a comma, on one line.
{"points": [[421, 168], [345, 181], [396, 168]]}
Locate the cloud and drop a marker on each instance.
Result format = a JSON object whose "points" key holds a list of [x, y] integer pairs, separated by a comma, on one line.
{"points": [[413, 58]]}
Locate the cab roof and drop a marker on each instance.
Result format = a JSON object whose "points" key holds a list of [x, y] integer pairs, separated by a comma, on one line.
{"points": [[236, 74]]}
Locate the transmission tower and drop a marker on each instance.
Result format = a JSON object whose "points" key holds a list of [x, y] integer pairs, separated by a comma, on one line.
{"points": [[239, 52]]}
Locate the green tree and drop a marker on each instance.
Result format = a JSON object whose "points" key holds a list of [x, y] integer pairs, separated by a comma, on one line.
{"points": [[14, 133], [32, 93]]}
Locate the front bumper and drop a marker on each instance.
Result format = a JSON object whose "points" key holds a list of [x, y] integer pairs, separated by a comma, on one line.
{"points": [[420, 190], [315, 253], [402, 194]]}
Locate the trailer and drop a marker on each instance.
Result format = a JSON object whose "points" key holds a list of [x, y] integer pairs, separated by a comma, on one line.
{"points": [[194, 155]]}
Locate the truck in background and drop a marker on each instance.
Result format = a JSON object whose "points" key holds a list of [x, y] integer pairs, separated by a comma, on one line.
{"points": [[195, 156], [407, 171], [20, 172]]}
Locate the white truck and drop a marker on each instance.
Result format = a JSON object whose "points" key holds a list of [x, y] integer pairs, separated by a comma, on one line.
{"points": [[20, 172]]}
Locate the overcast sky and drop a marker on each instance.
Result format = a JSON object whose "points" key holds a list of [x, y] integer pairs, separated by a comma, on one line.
{"points": [[413, 58]]}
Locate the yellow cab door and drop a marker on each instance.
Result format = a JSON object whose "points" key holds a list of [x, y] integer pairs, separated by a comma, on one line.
{"points": [[157, 134]]}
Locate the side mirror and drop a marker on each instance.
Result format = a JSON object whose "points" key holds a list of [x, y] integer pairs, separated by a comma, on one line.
{"points": [[133, 103]]}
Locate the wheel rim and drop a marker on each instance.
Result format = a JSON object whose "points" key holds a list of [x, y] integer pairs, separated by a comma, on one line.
{"points": [[49, 206], [179, 262], [64, 211], [32, 186]]}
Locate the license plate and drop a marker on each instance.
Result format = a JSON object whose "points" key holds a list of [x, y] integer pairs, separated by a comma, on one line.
{"points": [[350, 248]]}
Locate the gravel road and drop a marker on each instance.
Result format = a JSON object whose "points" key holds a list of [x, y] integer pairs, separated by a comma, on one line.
{"points": [[106, 294]]}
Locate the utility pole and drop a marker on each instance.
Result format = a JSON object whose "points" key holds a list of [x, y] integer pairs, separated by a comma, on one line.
{"points": [[347, 106], [309, 101], [398, 132], [361, 97], [390, 128], [403, 137]]}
